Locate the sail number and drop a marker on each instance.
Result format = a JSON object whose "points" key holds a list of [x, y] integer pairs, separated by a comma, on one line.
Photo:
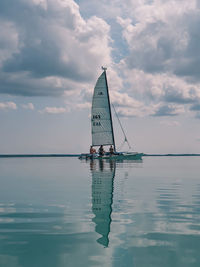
{"points": [[97, 123], [96, 117]]}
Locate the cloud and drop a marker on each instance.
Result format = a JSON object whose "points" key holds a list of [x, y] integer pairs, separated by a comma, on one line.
{"points": [[28, 106], [162, 48], [7, 105], [163, 37], [124, 100], [169, 110], [54, 110], [50, 40], [161, 67], [134, 112], [56, 47], [195, 107], [9, 41]]}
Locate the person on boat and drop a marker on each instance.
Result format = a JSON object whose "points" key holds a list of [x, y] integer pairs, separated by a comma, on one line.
{"points": [[101, 151], [111, 150], [92, 150]]}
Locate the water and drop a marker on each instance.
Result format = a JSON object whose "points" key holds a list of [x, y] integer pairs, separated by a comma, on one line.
{"points": [[66, 212]]}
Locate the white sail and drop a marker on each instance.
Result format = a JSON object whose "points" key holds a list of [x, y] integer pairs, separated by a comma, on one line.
{"points": [[101, 120]]}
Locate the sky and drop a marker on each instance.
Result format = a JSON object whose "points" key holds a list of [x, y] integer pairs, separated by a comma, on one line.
{"points": [[51, 53]]}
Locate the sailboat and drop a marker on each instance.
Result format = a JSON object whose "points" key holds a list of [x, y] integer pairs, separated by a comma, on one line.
{"points": [[102, 124]]}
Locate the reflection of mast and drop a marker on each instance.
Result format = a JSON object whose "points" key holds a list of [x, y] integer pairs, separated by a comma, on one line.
{"points": [[102, 198]]}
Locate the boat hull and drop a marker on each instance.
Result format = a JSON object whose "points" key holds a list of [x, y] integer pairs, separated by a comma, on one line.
{"points": [[118, 156]]}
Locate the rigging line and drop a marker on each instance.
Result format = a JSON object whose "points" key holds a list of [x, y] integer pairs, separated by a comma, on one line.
{"points": [[125, 138], [121, 145]]}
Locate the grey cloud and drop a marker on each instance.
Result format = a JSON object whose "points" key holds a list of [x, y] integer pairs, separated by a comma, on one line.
{"points": [[53, 41], [188, 62], [173, 95], [23, 85], [195, 107], [44, 62], [41, 51], [166, 110]]}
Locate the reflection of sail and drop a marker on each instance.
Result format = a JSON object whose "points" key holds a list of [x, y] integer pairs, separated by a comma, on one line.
{"points": [[102, 197]]}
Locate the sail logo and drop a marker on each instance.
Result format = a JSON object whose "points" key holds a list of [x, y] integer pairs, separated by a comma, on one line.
{"points": [[100, 93]]}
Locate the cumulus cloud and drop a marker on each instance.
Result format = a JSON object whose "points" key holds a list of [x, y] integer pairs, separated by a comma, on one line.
{"points": [[162, 65], [48, 41], [55, 47], [7, 105], [163, 37]]}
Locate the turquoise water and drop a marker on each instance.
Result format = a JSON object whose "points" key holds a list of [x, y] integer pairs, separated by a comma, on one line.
{"points": [[66, 212]]}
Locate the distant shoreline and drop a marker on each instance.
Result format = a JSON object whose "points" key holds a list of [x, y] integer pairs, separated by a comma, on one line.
{"points": [[37, 155], [77, 155]]}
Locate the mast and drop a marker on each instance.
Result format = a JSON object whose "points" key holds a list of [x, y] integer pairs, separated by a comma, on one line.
{"points": [[104, 69]]}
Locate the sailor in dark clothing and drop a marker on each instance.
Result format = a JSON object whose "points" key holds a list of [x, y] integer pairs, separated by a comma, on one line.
{"points": [[111, 150], [101, 151]]}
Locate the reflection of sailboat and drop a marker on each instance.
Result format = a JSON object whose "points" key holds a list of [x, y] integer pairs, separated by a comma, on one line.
{"points": [[101, 122], [102, 197]]}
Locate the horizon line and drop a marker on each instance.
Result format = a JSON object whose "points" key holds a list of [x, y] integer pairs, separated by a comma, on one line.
{"points": [[77, 155]]}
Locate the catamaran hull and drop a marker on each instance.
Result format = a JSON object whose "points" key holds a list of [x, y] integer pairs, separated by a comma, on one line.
{"points": [[119, 156]]}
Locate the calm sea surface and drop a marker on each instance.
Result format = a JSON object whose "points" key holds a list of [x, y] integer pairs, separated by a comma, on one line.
{"points": [[67, 212]]}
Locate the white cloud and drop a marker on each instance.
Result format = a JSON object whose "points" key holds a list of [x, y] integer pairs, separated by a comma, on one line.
{"points": [[124, 100], [160, 87], [7, 105], [28, 106], [54, 110]]}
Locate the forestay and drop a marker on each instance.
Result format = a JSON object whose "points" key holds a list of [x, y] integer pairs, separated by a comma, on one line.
{"points": [[101, 120]]}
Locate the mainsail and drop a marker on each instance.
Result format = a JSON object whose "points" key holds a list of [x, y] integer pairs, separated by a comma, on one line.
{"points": [[101, 119]]}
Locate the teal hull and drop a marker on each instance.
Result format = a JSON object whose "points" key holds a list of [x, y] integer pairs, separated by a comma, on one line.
{"points": [[120, 156]]}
